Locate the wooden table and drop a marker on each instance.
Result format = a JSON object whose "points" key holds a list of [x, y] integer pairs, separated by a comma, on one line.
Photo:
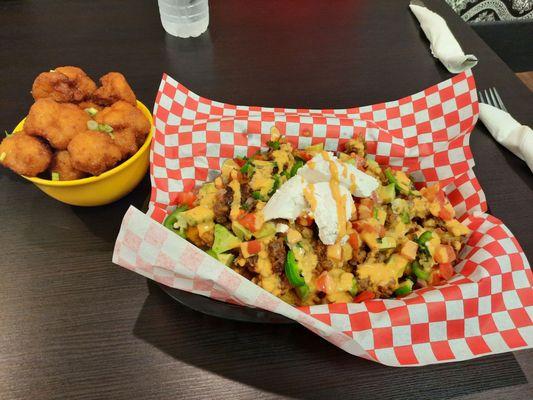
{"points": [[73, 325]]}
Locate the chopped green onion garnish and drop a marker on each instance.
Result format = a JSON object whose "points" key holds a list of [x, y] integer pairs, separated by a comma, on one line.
{"points": [[105, 128], [247, 168], [3, 156], [258, 196], [55, 176], [276, 184], [273, 145], [91, 111], [92, 125]]}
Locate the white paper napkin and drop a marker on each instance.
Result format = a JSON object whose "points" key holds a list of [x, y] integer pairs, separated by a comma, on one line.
{"points": [[443, 44], [508, 132]]}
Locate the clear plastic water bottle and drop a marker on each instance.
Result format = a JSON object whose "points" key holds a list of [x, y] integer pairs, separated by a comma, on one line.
{"points": [[184, 18]]}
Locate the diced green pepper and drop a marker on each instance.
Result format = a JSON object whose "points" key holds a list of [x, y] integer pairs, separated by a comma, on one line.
{"points": [[258, 196], [297, 165], [171, 219], [387, 243], [248, 167], [422, 240], [292, 271], [405, 217], [375, 213], [302, 291], [274, 145], [400, 186], [276, 185], [405, 288], [355, 288], [419, 271]]}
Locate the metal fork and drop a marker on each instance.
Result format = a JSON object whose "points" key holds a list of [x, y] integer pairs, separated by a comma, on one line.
{"points": [[491, 97]]}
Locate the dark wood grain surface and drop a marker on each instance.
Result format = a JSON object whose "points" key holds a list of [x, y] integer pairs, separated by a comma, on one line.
{"points": [[73, 325]]}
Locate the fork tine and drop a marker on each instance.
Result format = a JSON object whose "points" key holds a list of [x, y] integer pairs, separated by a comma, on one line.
{"points": [[495, 102], [480, 96], [499, 99], [485, 97], [489, 98]]}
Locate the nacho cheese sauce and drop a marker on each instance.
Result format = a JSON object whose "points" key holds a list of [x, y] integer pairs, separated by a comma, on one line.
{"points": [[383, 241]]}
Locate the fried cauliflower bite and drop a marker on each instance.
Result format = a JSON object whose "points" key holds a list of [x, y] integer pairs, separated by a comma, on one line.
{"points": [[25, 155], [56, 122], [93, 152], [126, 141], [114, 87], [64, 84], [129, 124], [62, 165]]}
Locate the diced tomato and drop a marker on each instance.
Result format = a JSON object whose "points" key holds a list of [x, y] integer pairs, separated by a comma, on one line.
{"points": [[364, 296], [239, 161], [253, 246], [409, 250], [367, 202], [375, 198], [240, 177], [444, 254], [446, 213], [302, 154], [323, 282], [364, 212], [306, 220], [440, 197], [430, 192], [187, 198], [363, 226], [354, 241], [259, 157], [355, 214], [446, 270], [365, 208], [248, 221]]}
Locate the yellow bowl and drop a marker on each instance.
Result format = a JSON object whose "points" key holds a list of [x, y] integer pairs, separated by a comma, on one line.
{"points": [[105, 188]]}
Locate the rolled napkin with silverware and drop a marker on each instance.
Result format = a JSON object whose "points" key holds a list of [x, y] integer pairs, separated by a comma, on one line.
{"points": [[443, 44], [508, 132]]}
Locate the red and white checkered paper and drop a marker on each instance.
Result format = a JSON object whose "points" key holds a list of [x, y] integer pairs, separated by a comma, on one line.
{"points": [[485, 309]]}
